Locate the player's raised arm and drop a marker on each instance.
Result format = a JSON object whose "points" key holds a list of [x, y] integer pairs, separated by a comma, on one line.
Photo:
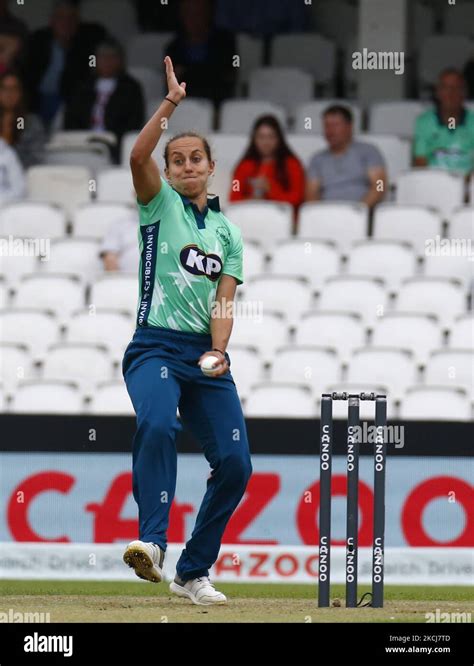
{"points": [[145, 172]]}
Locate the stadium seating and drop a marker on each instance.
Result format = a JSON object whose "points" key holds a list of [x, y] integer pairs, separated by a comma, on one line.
{"points": [[35, 329], [84, 364], [288, 294], [32, 220], [280, 400], [391, 261], [419, 333], [391, 367], [283, 86], [451, 367], [461, 224], [342, 223], [366, 296], [78, 256], [342, 331], [13, 268], [118, 291], [266, 332], [313, 111], [47, 397], [194, 114], [238, 115], [414, 223], [254, 260], [442, 297], [313, 259], [315, 366], [15, 364], [250, 51], [66, 186], [310, 53], [152, 83], [246, 368], [111, 398], [395, 151], [305, 146], [395, 117], [431, 187], [462, 332], [435, 403], [112, 329], [115, 185], [274, 221], [94, 220], [62, 294]]}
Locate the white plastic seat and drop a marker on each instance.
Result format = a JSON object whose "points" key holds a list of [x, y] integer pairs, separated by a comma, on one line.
{"points": [[305, 146], [431, 187], [438, 50], [366, 407], [314, 112], [342, 223], [271, 400], [193, 114], [289, 294], [117, 291], [395, 117], [111, 398], [35, 329], [78, 256], [311, 365], [462, 332], [451, 367], [239, 115], [118, 15], [435, 403], [12, 268], [227, 149], [459, 264], [442, 297], [250, 49], [84, 364], [32, 220], [3, 400], [115, 185], [385, 366], [78, 138], [284, 86], [111, 328], [254, 261], [264, 222], [91, 157], [3, 294], [307, 51], [313, 259], [461, 223], [47, 397], [66, 186], [342, 331], [413, 224], [246, 368], [147, 49], [420, 333], [265, 333], [94, 220], [62, 294], [15, 364], [390, 260], [151, 81], [395, 151], [364, 296]]}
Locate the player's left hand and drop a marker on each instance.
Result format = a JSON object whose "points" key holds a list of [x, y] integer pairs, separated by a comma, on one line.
{"points": [[221, 368]]}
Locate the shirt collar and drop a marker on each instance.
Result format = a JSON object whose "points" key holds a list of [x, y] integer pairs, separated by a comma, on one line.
{"points": [[462, 117], [199, 216]]}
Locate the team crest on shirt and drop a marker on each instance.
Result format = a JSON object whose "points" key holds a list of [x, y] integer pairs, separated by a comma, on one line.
{"points": [[224, 235], [197, 262]]}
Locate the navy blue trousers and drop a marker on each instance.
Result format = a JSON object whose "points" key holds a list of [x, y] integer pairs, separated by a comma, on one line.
{"points": [[161, 373]]}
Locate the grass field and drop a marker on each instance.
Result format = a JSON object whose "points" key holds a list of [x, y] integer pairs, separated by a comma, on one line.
{"points": [[85, 601]]}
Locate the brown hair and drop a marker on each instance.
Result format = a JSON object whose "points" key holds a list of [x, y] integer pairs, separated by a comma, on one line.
{"points": [[183, 135]]}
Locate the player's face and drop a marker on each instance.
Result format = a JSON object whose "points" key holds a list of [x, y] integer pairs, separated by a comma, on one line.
{"points": [[266, 141], [188, 166], [450, 92], [337, 130]]}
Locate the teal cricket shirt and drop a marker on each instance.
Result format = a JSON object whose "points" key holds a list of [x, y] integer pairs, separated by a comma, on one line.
{"points": [[183, 254], [446, 148]]}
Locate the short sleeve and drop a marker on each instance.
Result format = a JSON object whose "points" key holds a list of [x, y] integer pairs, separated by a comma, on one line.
{"points": [[314, 169], [373, 157], [159, 205], [233, 264]]}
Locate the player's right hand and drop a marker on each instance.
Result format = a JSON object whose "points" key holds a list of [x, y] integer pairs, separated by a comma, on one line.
{"points": [[176, 91]]}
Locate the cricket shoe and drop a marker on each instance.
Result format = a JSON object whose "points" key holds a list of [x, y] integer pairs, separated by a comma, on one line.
{"points": [[146, 559], [200, 590]]}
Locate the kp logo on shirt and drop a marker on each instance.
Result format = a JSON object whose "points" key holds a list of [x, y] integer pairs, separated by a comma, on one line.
{"points": [[197, 262]]}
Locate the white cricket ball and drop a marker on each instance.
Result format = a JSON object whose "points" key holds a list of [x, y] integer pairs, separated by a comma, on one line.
{"points": [[207, 363]]}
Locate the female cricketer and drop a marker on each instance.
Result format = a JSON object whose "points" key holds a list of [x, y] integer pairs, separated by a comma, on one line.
{"points": [[190, 266]]}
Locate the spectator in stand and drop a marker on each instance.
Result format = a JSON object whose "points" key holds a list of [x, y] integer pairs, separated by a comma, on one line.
{"points": [[12, 178], [119, 250], [20, 129], [109, 99], [11, 23], [269, 169], [444, 136], [202, 55], [12, 50], [59, 57], [347, 170]]}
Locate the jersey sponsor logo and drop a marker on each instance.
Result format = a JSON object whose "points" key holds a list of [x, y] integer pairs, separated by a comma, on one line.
{"points": [[224, 235], [148, 265], [197, 262]]}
